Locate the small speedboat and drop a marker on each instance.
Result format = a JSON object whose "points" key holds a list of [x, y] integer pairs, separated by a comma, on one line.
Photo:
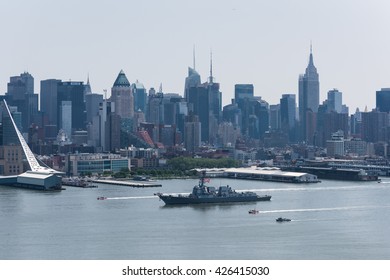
{"points": [[254, 211], [280, 219], [101, 198]]}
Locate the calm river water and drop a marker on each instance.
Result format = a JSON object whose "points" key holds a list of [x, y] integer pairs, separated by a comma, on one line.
{"points": [[332, 220]]}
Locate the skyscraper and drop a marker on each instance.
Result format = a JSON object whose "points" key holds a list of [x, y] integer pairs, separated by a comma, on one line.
{"points": [[242, 91], [66, 118], [122, 96], [309, 96], [274, 117], [20, 93], [205, 101], [73, 92], [335, 102], [140, 97], [192, 80], [48, 97], [287, 115], [383, 100], [192, 133]]}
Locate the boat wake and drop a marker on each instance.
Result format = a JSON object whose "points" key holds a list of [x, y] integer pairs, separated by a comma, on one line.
{"points": [[314, 188], [129, 197], [323, 209]]}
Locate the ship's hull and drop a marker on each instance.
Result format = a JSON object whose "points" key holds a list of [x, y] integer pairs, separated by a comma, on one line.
{"points": [[182, 200]]}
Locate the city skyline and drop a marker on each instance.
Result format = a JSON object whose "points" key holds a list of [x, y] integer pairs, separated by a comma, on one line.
{"points": [[265, 44]]}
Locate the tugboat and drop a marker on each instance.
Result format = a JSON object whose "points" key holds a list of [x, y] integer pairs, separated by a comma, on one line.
{"points": [[204, 194], [280, 220]]}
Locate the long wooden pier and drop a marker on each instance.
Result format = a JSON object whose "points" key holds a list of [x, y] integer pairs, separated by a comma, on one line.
{"points": [[134, 184]]}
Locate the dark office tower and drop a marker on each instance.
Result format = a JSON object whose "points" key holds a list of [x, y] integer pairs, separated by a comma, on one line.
{"points": [[274, 117], [92, 102], [335, 101], [110, 125], [309, 95], [48, 97], [20, 93], [375, 126], [287, 115], [206, 104], [383, 100], [9, 136], [242, 91], [257, 111], [231, 113], [122, 96], [169, 101], [140, 97], [199, 99], [261, 111], [73, 92], [205, 101]]}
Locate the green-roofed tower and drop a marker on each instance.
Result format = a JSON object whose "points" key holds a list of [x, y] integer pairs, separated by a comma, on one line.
{"points": [[122, 96], [121, 80]]}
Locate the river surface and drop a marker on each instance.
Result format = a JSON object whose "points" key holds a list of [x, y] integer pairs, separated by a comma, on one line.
{"points": [[331, 220]]}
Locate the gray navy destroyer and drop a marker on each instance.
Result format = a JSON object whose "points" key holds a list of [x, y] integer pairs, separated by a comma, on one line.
{"points": [[204, 194]]}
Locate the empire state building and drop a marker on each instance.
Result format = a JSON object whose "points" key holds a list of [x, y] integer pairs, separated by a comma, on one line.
{"points": [[309, 100]]}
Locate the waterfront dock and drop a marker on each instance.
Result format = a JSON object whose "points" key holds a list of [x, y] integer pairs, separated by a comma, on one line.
{"points": [[134, 184]]}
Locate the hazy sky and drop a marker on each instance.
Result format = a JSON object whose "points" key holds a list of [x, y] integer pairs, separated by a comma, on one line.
{"points": [[266, 43]]}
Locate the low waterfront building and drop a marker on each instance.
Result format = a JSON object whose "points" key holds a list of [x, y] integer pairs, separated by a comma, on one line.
{"points": [[335, 146], [273, 174], [11, 160], [355, 146], [270, 174], [82, 164]]}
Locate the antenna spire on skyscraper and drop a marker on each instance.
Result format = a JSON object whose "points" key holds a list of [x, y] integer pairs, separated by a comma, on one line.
{"points": [[160, 90], [311, 54], [211, 66], [193, 54], [311, 47]]}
